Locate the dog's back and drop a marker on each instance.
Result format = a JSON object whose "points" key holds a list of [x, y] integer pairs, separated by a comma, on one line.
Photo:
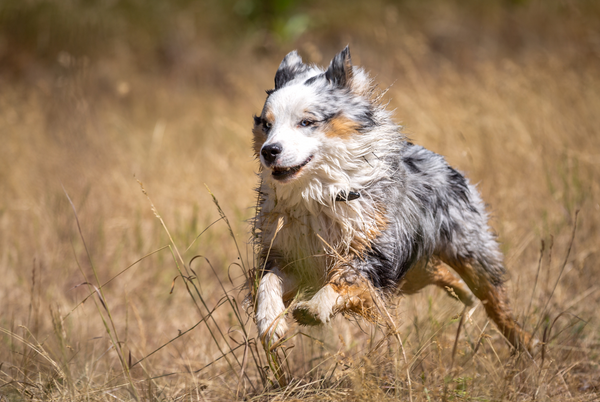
{"points": [[432, 212]]}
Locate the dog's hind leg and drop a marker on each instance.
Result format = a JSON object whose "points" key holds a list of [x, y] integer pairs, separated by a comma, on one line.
{"points": [[492, 293], [436, 273]]}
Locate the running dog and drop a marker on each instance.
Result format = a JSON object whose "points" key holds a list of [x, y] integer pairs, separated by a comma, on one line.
{"points": [[350, 212]]}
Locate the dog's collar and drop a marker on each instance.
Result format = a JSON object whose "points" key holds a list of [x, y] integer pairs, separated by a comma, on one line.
{"points": [[349, 196]]}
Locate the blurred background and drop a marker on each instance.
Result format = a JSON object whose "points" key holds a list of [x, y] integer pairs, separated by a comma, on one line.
{"points": [[98, 94]]}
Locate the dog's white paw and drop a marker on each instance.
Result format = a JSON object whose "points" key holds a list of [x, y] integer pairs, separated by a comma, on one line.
{"points": [[318, 310]]}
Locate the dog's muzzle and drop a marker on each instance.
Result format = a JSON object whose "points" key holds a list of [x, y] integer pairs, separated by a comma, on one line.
{"points": [[271, 152]]}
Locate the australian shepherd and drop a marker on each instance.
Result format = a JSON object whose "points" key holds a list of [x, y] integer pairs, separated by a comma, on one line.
{"points": [[350, 212]]}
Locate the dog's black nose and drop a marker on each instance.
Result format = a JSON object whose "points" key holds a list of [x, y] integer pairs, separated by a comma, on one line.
{"points": [[270, 152]]}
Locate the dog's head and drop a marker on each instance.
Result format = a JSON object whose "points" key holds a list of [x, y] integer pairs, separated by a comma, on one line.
{"points": [[311, 119]]}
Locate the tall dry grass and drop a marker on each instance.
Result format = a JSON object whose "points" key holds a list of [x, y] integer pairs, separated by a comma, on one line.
{"points": [[101, 301]]}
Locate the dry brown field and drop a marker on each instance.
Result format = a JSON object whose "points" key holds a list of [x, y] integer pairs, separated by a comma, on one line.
{"points": [[109, 294]]}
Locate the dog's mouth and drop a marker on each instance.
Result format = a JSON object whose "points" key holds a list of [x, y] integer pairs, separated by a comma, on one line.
{"points": [[285, 173]]}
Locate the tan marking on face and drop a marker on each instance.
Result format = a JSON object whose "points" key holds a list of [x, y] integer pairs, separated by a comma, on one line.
{"points": [[341, 127], [269, 116]]}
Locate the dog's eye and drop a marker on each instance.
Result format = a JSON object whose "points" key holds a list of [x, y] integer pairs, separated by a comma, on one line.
{"points": [[306, 123], [267, 125]]}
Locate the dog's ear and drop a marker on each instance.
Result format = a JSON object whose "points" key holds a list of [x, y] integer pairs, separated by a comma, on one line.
{"points": [[288, 69], [339, 72]]}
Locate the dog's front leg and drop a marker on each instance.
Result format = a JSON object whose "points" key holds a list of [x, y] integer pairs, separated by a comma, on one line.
{"points": [[344, 292], [270, 309], [320, 308]]}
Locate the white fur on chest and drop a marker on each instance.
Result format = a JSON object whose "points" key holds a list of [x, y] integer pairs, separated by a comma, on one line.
{"points": [[314, 237]]}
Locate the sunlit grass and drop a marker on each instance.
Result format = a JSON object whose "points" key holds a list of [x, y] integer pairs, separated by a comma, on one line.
{"points": [[516, 109]]}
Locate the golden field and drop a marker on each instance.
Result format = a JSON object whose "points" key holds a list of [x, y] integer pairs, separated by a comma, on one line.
{"points": [[101, 301]]}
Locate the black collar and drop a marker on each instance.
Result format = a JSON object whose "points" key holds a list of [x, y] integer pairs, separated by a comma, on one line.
{"points": [[349, 196]]}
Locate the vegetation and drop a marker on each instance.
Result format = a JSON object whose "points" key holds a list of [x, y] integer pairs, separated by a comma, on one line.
{"points": [[123, 275]]}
